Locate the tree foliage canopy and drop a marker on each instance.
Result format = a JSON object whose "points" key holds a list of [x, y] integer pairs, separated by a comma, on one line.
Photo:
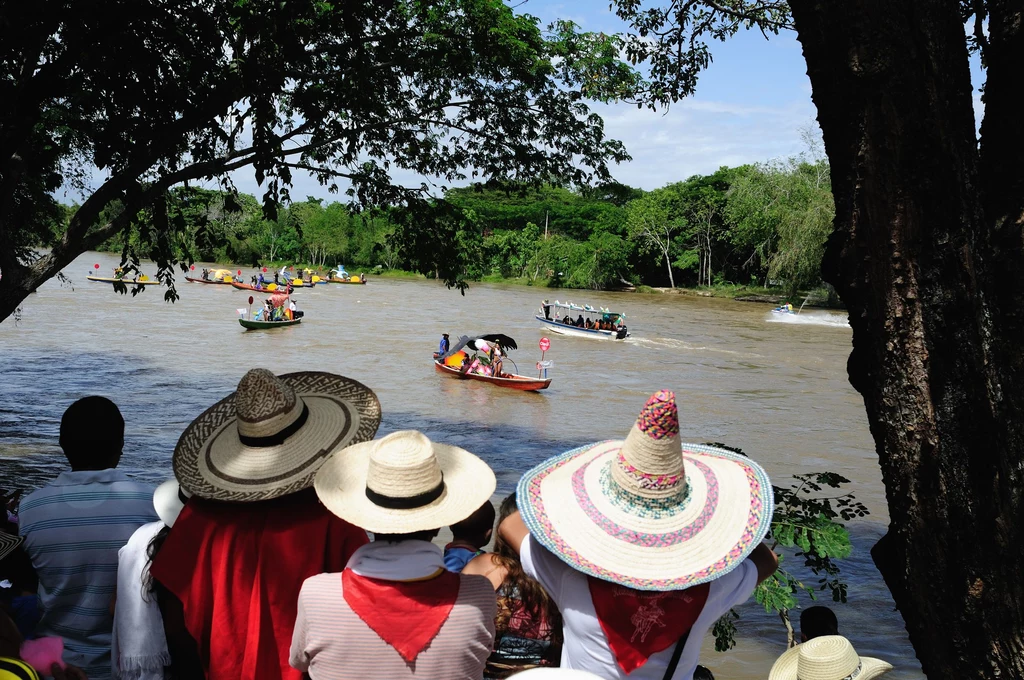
{"points": [[161, 93]]}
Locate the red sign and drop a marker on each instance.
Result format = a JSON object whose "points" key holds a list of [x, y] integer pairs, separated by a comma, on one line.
{"points": [[545, 344], [250, 299], [96, 266]]}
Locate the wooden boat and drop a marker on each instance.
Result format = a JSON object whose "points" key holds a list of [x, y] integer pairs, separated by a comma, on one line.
{"points": [[354, 281], [127, 282], [220, 283], [263, 325], [509, 380], [271, 287], [551, 317]]}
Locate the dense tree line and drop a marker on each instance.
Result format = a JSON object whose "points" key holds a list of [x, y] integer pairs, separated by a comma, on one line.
{"points": [[762, 224]]}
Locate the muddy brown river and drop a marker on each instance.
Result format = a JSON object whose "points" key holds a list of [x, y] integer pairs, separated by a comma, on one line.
{"points": [[776, 388]]}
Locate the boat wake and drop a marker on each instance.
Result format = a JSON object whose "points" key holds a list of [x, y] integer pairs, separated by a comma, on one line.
{"points": [[674, 343], [811, 319]]}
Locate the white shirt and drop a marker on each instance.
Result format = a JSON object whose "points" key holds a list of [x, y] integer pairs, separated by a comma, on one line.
{"points": [[586, 648]]}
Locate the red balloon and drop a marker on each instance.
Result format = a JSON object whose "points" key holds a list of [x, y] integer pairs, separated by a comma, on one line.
{"points": [[250, 299], [239, 272], [193, 267], [264, 269], [96, 266]]}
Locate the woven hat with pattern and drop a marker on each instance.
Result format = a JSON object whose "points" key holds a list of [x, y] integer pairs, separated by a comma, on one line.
{"points": [[404, 483], [8, 543], [829, 657], [650, 512], [269, 437]]}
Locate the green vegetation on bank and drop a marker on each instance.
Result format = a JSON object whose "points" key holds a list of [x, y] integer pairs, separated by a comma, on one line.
{"points": [[737, 231]]}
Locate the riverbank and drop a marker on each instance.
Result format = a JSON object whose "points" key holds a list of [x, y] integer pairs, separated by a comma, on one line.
{"points": [[774, 296]]}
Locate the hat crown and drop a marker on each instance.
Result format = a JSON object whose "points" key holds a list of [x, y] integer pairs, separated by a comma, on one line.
{"points": [[650, 463], [403, 465], [265, 404], [830, 657]]}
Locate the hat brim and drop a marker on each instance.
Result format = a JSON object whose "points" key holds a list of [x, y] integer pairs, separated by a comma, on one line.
{"points": [[211, 462], [785, 667], [9, 543], [569, 505], [341, 487]]}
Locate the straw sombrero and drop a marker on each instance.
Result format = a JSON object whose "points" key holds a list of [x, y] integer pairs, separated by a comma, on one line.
{"points": [[8, 543], [649, 512], [169, 500], [269, 437], [830, 657], [404, 483]]}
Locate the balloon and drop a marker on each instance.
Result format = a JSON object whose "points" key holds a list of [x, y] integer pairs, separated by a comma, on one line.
{"points": [[264, 269], [239, 272], [250, 299], [96, 266], [193, 267]]}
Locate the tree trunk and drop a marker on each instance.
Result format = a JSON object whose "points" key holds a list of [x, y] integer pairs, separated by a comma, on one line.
{"points": [[668, 265], [929, 265]]}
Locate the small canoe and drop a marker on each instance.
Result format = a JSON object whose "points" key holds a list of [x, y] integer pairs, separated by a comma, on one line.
{"points": [[262, 325], [351, 282], [214, 281], [127, 282], [509, 380]]}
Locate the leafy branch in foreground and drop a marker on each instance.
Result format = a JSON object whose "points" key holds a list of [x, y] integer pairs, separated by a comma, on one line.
{"points": [[808, 521]]}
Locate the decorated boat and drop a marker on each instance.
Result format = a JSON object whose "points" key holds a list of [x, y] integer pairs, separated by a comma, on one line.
{"points": [[222, 277], [339, 275], [509, 380], [276, 313], [482, 358], [141, 281], [582, 321], [785, 309], [267, 288]]}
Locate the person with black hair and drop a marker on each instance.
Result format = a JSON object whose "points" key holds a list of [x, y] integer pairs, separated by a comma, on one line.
{"points": [[816, 622], [528, 625], [74, 527], [469, 537]]}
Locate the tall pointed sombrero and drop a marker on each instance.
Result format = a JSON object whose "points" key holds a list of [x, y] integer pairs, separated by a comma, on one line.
{"points": [[650, 512], [269, 437]]}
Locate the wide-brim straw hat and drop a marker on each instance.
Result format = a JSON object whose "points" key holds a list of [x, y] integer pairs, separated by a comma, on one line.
{"points": [[169, 500], [830, 657], [9, 543], [404, 483], [269, 437], [649, 512]]}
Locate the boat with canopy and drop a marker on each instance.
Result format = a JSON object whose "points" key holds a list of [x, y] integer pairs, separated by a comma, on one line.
{"points": [[218, 276], [339, 275], [482, 359], [582, 321]]}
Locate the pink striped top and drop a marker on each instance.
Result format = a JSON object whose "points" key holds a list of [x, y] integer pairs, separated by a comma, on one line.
{"points": [[331, 642]]}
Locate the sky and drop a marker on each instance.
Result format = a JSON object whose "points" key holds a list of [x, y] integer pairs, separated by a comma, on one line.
{"points": [[749, 107]]}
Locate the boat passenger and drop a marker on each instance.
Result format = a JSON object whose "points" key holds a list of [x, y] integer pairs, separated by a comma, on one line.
{"points": [[444, 346], [567, 320], [579, 321], [206, 274], [496, 362], [587, 324], [546, 306]]}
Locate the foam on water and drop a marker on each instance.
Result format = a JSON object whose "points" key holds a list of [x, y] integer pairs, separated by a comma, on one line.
{"points": [[675, 343], [811, 319]]}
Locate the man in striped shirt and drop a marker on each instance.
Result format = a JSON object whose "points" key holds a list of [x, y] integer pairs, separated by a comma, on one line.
{"points": [[74, 527]]}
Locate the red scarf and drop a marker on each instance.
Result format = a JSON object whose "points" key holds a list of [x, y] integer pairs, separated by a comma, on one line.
{"points": [[405, 614], [237, 569], [640, 623]]}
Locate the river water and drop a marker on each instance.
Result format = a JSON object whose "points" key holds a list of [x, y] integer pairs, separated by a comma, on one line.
{"points": [[777, 390]]}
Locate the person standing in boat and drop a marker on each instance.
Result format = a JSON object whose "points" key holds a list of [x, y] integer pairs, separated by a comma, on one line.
{"points": [[546, 306], [444, 346]]}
